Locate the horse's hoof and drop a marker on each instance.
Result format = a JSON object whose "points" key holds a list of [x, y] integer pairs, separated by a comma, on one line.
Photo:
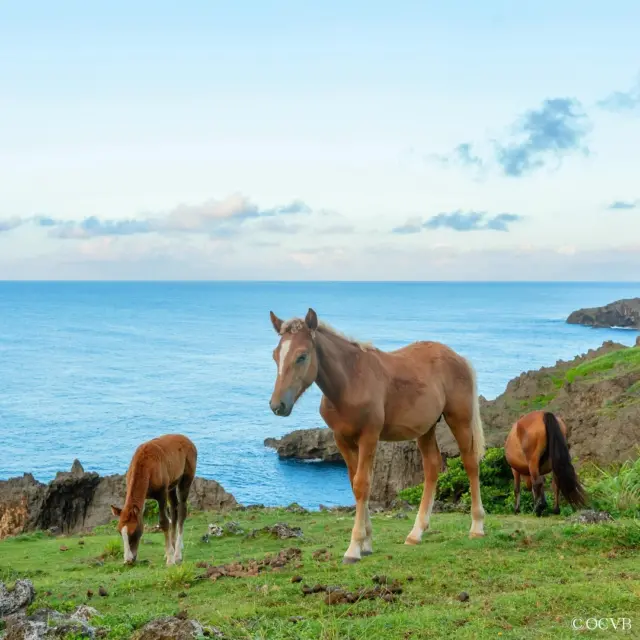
{"points": [[349, 560], [366, 553], [411, 542], [475, 534]]}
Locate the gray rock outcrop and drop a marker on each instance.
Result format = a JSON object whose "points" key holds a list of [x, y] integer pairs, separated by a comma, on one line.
{"points": [[621, 313], [45, 624], [307, 444], [77, 501], [16, 600]]}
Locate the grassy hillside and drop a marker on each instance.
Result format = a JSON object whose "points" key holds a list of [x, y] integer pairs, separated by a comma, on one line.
{"points": [[528, 578], [597, 394], [610, 365]]}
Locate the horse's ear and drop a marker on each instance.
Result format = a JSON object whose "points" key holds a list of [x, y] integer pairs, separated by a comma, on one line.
{"points": [[311, 320], [116, 511], [276, 322]]}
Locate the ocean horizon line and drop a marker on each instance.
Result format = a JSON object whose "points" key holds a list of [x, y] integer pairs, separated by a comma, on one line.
{"points": [[311, 281]]}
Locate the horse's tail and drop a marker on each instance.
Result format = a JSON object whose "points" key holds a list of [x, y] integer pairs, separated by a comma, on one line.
{"points": [[477, 432], [563, 471]]}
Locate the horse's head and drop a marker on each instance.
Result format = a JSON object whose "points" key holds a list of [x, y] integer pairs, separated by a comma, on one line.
{"points": [[296, 358], [130, 526]]}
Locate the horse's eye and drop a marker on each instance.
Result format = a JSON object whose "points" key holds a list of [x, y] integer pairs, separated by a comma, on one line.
{"points": [[301, 359]]}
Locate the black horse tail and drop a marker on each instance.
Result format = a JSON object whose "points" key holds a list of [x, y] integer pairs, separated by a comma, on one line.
{"points": [[563, 471]]}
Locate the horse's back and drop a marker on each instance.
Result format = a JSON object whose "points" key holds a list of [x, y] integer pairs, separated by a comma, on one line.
{"points": [[423, 380], [173, 443], [424, 360], [173, 455]]}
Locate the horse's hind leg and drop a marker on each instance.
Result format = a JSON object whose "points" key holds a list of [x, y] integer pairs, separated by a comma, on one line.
{"points": [[431, 462], [533, 451], [537, 486], [516, 490], [460, 424], [183, 494]]}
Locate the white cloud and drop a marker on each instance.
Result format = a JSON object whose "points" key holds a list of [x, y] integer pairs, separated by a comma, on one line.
{"points": [[143, 257]]}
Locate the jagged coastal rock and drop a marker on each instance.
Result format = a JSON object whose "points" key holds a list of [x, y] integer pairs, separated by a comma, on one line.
{"points": [[621, 313], [602, 412], [307, 444], [76, 501]]}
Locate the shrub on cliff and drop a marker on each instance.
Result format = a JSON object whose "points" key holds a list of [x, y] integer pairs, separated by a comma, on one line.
{"points": [[616, 490], [496, 484]]}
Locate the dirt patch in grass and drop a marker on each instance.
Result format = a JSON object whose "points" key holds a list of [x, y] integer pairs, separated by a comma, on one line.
{"points": [[248, 568]]}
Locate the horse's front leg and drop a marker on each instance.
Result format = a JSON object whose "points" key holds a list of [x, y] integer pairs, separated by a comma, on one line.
{"points": [[349, 451], [165, 524], [361, 533]]}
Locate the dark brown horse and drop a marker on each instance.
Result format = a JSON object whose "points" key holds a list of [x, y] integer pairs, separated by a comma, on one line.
{"points": [[162, 469], [536, 446], [371, 395]]}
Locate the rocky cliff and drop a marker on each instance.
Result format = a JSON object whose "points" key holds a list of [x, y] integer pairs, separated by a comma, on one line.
{"points": [[75, 501], [597, 393], [621, 313]]}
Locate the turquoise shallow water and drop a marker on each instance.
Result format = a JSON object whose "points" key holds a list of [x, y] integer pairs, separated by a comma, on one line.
{"points": [[90, 370]]}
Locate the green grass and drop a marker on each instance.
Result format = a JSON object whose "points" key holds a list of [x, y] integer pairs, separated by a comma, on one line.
{"points": [[616, 490], [622, 360], [539, 402], [528, 578]]}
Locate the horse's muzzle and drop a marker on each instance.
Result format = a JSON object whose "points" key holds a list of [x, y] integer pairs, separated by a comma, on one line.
{"points": [[280, 409]]}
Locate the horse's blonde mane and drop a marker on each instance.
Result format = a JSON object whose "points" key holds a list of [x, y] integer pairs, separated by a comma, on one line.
{"points": [[297, 324], [292, 326]]}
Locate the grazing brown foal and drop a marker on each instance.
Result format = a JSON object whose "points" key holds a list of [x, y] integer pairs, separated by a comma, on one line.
{"points": [[536, 446], [371, 395], [162, 469]]}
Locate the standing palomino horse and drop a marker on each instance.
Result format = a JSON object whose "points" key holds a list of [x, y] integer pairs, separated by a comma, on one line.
{"points": [[371, 395], [536, 446], [162, 469]]}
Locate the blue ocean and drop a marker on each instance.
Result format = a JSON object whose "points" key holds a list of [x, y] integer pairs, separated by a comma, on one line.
{"points": [[91, 370]]}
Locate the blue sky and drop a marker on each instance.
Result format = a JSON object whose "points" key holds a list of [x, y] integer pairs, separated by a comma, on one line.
{"points": [[284, 140]]}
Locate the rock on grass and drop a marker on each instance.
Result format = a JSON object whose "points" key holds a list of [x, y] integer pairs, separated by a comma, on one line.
{"points": [[19, 598], [173, 628]]}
